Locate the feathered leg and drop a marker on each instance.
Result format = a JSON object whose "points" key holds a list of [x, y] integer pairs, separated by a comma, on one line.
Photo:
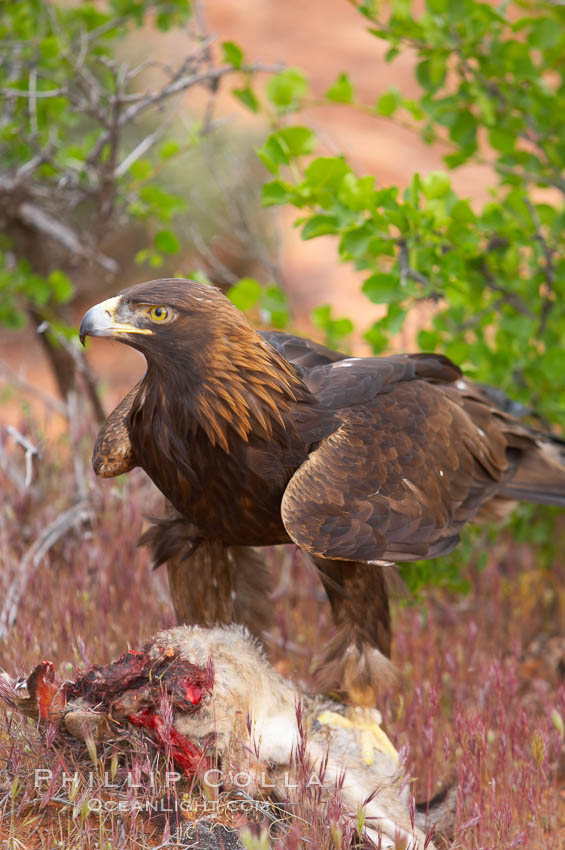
{"points": [[357, 659], [220, 584], [209, 582]]}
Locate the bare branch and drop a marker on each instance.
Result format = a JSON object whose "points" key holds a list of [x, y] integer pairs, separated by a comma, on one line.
{"points": [[181, 83], [78, 461], [207, 55], [30, 449], [549, 299], [142, 102], [11, 470], [48, 400], [212, 258], [508, 297], [39, 220], [72, 518], [406, 271], [81, 366], [29, 167], [33, 95], [33, 101], [138, 151]]}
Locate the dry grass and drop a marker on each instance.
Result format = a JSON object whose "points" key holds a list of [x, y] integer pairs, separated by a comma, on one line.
{"points": [[481, 702]]}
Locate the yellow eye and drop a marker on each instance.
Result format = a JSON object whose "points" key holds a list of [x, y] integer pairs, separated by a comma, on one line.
{"points": [[158, 314]]}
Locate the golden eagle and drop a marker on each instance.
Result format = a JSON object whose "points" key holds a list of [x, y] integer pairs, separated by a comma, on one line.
{"points": [[259, 438]]}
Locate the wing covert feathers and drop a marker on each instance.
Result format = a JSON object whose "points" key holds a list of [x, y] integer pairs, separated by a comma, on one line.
{"points": [[113, 453], [402, 473]]}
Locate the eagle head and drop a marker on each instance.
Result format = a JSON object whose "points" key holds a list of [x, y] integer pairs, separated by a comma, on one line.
{"points": [[203, 349], [163, 314]]}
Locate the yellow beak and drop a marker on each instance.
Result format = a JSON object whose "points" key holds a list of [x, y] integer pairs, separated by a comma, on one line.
{"points": [[100, 320]]}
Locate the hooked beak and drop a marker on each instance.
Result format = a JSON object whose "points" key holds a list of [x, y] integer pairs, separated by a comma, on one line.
{"points": [[100, 320]]}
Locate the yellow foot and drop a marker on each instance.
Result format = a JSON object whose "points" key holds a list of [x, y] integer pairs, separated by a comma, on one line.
{"points": [[367, 721]]}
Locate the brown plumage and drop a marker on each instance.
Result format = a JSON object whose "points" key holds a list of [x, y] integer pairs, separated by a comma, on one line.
{"points": [[259, 439]]}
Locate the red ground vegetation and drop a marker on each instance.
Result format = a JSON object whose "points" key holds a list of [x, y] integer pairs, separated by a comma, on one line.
{"points": [[481, 701]]}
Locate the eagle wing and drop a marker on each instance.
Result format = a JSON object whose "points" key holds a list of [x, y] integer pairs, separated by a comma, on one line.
{"points": [[304, 354], [404, 470], [113, 453]]}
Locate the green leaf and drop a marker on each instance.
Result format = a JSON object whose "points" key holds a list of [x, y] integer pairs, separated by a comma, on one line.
{"points": [[377, 338], [161, 203], [355, 242], [247, 97], [431, 72], [357, 193], [502, 140], [61, 286], [326, 171], [393, 322], [167, 242], [428, 340], [389, 102], [233, 54], [319, 225], [297, 141], [321, 315], [382, 288], [142, 256], [437, 6], [169, 149], [463, 131], [245, 293], [200, 276], [275, 304], [401, 8], [341, 91], [277, 192], [286, 143], [335, 330], [50, 47], [11, 316], [141, 169], [287, 89], [545, 33], [272, 154], [436, 184]]}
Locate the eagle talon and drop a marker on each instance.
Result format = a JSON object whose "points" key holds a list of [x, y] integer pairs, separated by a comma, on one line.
{"points": [[367, 722]]}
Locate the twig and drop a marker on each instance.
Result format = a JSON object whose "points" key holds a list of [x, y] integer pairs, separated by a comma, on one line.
{"points": [[33, 101], [406, 271], [508, 297], [40, 158], [211, 256], [30, 449], [11, 470], [177, 85], [39, 220], [549, 268], [48, 400], [69, 519], [78, 464], [139, 150], [207, 55], [81, 366], [32, 95]]}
